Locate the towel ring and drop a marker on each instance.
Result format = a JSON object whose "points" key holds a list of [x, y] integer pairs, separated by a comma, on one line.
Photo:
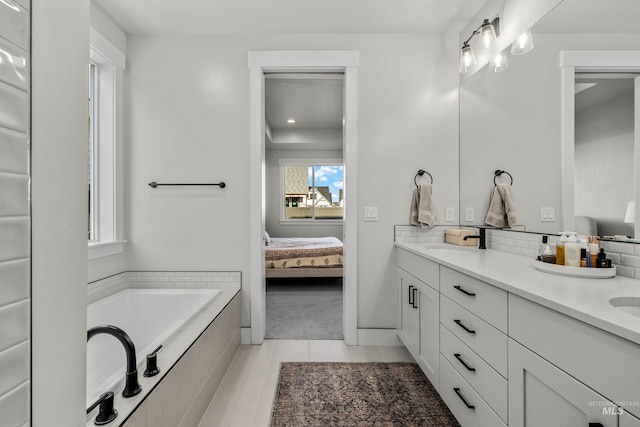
{"points": [[420, 173], [498, 173]]}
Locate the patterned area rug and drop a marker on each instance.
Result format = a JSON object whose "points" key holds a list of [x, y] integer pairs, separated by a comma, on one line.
{"points": [[357, 394]]}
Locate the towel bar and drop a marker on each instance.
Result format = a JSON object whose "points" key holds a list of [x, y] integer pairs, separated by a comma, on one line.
{"points": [[498, 173], [420, 173], [219, 184]]}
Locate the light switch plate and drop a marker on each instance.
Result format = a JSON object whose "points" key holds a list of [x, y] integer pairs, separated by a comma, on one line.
{"points": [[547, 214], [371, 213], [469, 214], [448, 214]]}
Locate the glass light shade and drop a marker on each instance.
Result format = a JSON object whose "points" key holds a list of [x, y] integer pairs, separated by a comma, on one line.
{"points": [[467, 58], [498, 63], [487, 35], [523, 44], [630, 215]]}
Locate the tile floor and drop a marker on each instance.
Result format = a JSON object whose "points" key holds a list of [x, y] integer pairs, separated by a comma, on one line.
{"points": [[246, 393]]}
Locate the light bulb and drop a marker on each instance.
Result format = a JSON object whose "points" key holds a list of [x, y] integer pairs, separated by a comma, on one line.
{"points": [[498, 63], [523, 44], [467, 58], [487, 35]]}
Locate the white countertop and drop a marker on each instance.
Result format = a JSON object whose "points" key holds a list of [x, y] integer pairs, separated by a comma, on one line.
{"points": [[584, 299]]}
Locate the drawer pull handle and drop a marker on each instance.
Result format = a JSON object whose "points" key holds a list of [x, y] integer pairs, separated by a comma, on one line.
{"points": [[471, 294], [595, 425], [469, 368], [459, 323], [411, 295], [415, 300], [457, 390]]}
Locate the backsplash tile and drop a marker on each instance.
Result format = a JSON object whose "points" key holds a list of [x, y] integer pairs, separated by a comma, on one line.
{"points": [[14, 23], [162, 279]]}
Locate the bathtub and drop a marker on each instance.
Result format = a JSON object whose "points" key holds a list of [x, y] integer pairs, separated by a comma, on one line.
{"points": [[150, 317]]}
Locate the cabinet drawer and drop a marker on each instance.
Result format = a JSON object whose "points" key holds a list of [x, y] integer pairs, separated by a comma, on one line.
{"points": [[422, 268], [483, 378], [459, 396], [602, 361], [488, 342], [482, 299]]}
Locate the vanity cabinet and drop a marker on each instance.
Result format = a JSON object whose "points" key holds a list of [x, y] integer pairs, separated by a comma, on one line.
{"points": [[419, 319], [499, 359], [540, 394]]}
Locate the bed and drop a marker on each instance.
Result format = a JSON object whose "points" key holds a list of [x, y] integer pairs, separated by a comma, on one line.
{"points": [[303, 257]]}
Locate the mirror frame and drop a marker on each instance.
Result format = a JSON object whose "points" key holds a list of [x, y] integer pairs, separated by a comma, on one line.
{"points": [[590, 60]]}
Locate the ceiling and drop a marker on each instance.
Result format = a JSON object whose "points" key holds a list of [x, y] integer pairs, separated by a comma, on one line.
{"points": [[241, 17], [591, 16]]}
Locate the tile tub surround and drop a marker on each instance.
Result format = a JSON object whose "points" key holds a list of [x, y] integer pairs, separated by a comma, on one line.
{"points": [[189, 378], [162, 279], [625, 256]]}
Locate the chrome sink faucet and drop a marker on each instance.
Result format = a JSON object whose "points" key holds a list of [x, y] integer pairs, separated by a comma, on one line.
{"points": [[481, 236], [131, 387]]}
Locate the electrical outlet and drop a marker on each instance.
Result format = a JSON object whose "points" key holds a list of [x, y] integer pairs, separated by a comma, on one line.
{"points": [[370, 213], [448, 214], [469, 214], [547, 214]]}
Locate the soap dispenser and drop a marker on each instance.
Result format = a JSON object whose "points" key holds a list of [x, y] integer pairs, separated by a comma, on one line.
{"points": [[560, 246]]}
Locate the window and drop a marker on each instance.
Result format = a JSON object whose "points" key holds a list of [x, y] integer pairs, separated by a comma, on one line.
{"points": [[104, 176], [312, 190]]}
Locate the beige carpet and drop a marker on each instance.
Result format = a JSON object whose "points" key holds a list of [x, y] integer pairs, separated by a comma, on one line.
{"points": [[357, 394]]}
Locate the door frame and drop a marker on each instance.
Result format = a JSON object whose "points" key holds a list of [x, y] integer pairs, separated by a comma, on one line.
{"points": [[598, 60], [260, 62]]}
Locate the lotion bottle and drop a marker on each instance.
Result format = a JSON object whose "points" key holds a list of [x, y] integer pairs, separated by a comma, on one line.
{"points": [[572, 251]]}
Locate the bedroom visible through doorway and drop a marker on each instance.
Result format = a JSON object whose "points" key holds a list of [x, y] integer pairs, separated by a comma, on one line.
{"points": [[304, 205]]}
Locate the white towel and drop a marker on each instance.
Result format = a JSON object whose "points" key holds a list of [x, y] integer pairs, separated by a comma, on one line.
{"points": [[502, 209], [423, 207]]}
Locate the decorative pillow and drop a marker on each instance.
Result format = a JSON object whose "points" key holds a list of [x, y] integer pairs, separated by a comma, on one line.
{"points": [[266, 237]]}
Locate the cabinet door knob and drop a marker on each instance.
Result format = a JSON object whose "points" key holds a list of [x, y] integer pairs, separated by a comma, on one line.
{"points": [[458, 287], [469, 368], [457, 390], [459, 323]]}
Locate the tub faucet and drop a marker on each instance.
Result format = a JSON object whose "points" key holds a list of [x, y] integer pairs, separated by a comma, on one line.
{"points": [[131, 387], [481, 236]]}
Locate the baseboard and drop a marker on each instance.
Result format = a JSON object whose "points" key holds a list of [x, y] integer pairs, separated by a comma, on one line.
{"points": [[382, 337], [245, 335]]}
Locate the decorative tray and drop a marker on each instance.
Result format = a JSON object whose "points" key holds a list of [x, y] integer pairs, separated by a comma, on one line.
{"points": [[563, 270]]}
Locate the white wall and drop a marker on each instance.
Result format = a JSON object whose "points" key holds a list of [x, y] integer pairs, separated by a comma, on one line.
{"points": [[604, 171], [188, 117], [60, 40]]}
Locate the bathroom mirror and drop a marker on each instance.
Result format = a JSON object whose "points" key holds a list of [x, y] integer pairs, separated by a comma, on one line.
{"points": [[512, 120]]}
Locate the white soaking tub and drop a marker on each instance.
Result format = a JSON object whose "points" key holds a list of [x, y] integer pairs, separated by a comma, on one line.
{"points": [[150, 317]]}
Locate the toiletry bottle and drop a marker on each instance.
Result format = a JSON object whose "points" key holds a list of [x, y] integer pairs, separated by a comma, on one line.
{"points": [[583, 257], [541, 248], [593, 254], [572, 251], [602, 259], [560, 248]]}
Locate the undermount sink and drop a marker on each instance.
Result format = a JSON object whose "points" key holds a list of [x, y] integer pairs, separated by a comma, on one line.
{"points": [[629, 305]]}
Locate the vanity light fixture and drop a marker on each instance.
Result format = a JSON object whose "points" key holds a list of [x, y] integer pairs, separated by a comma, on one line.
{"points": [[523, 44], [630, 215], [489, 31], [499, 63]]}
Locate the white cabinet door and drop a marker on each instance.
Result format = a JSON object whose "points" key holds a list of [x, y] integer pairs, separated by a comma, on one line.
{"points": [[541, 395], [627, 420], [409, 314], [429, 354]]}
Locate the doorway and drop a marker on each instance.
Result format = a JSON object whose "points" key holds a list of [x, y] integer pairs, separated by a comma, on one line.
{"points": [[264, 62]]}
